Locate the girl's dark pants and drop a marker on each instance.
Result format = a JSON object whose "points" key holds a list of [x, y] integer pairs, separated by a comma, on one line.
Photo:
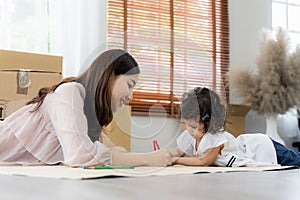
{"points": [[286, 156]]}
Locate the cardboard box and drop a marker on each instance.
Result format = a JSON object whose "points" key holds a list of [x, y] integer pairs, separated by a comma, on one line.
{"points": [[14, 60], [236, 114], [117, 133], [14, 87], [9, 106], [23, 74]]}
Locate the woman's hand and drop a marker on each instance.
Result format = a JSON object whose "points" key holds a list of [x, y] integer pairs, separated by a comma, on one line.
{"points": [[176, 152], [160, 158]]}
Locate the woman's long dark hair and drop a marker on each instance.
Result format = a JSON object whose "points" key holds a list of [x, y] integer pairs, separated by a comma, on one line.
{"points": [[125, 64], [98, 81]]}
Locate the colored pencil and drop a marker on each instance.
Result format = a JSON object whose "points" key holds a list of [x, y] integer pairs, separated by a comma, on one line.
{"points": [[108, 167]]}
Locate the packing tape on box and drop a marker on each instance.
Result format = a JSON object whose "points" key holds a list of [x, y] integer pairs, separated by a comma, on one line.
{"points": [[23, 81]]}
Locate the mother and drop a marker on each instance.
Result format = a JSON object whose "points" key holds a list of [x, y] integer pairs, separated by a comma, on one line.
{"points": [[62, 124]]}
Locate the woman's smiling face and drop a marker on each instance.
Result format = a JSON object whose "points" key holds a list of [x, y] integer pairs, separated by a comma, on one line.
{"points": [[123, 90]]}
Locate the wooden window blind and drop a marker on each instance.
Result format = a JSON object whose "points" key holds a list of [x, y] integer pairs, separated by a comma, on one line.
{"points": [[179, 44]]}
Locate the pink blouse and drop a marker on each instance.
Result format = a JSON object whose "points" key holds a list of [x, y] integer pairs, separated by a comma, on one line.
{"points": [[56, 133]]}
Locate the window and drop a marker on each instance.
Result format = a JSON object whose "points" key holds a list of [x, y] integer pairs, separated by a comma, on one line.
{"points": [[285, 14], [25, 25], [67, 28], [178, 44]]}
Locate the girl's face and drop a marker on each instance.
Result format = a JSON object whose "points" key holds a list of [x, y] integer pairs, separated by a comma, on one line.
{"points": [[122, 90], [195, 129]]}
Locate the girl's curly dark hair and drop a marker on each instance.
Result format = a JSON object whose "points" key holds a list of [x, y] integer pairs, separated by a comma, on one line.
{"points": [[204, 105]]}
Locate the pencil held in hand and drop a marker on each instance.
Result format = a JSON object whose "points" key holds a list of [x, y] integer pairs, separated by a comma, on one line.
{"points": [[155, 145]]}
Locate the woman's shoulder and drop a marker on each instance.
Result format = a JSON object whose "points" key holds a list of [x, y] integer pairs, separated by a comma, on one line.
{"points": [[67, 94], [71, 87]]}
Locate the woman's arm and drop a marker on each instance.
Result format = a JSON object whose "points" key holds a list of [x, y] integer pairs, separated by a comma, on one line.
{"points": [[70, 123], [207, 159], [155, 158]]}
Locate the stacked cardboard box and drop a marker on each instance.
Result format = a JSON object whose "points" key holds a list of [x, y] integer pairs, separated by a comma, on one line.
{"points": [[117, 133], [22, 75], [236, 114]]}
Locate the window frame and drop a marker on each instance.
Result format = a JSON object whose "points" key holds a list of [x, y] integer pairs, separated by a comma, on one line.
{"points": [[287, 5]]}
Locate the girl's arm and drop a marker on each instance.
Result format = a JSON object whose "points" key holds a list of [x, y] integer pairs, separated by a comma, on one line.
{"points": [[207, 159]]}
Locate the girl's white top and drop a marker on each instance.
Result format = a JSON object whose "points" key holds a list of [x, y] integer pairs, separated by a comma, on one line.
{"points": [[56, 133], [245, 150]]}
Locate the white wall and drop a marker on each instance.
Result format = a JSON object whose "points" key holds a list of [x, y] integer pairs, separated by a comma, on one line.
{"points": [[146, 129], [84, 29], [247, 19], [94, 32]]}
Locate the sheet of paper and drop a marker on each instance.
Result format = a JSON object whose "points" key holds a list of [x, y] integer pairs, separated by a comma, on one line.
{"points": [[80, 173]]}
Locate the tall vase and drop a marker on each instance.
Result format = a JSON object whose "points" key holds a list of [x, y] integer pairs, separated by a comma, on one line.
{"points": [[259, 123], [272, 129], [288, 127]]}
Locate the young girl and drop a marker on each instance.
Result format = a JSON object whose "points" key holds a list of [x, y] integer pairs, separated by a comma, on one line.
{"points": [[62, 125], [206, 143]]}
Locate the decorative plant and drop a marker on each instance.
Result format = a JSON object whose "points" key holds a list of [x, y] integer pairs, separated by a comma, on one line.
{"points": [[274, 86]]}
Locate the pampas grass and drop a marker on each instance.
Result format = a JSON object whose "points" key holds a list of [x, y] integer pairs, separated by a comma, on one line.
{"points": [[274, 87]]}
